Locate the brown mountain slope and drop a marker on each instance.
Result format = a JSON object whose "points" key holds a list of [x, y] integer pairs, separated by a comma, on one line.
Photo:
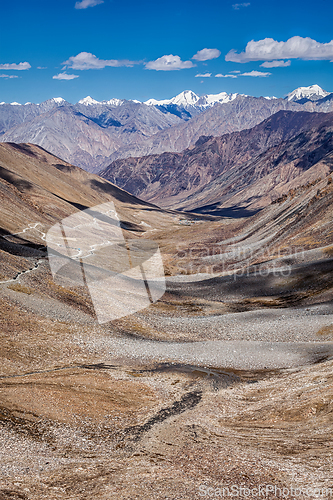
{"points": [[39, 187], [174, 179], [254, 184], [281, 257]]}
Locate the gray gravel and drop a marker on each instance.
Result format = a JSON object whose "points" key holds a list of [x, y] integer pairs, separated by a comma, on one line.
{"points": [[252, 340], [241, 355], [276, 325]]}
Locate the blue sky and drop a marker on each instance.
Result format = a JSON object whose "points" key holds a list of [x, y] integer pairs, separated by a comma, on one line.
{"points": [[121, 49]]}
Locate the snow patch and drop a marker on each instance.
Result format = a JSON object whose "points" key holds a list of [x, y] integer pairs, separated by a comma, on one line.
{"points": [[210, 100]]}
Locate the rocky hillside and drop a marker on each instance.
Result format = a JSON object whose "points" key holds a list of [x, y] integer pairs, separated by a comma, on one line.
{"points": [[302, 160], [217, 167]]}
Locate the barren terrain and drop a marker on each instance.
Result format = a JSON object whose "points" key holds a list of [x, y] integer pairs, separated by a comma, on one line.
{"points": [[227, 380]]}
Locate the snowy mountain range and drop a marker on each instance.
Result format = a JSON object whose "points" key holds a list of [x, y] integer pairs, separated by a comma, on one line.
{"points": [[92, 134], [187, 99]]}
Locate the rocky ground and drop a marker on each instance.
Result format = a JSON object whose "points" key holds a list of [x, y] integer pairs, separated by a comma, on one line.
{"points": [[90, 411]]}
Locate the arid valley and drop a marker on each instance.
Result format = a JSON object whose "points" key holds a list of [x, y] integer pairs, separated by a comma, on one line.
{"points": [[224, 382]]}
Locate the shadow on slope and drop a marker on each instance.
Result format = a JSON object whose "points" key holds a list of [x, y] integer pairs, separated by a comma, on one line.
{"points": [[288, 286], [234, 211]]}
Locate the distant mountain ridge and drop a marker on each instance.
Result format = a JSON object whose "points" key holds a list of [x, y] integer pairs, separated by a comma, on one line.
{"points": [[82, 134], [186, 98], [92, 134]]}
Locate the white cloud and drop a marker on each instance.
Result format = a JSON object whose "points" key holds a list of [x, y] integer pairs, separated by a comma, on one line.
{"points": [[64, 76], [255, 73], [169, 63], [206, 54], [86, 60], [84, 4], [238, 6], [275, 64], [219, 75], [8, 76], [41, 67], [19, 67], [296, 47], [203, 75], [235, 71]]}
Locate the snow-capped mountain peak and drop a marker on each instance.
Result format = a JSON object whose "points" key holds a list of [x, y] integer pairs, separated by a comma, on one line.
{"points": [[88, 101], [313, 92], [58, 100], [185, 98], [114, 102]]}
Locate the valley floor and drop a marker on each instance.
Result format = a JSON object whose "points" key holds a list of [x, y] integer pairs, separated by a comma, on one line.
{"points": [[202, 390]]}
